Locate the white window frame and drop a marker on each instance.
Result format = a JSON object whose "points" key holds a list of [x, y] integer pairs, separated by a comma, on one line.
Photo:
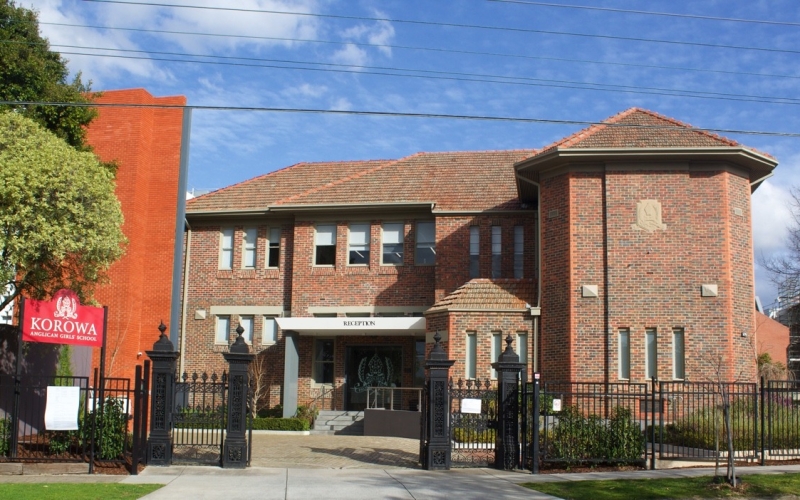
{"points": [[320, 236], [273, 245], [222, 329], [651, 353], [269, 336], [474, 251], [678, 354], [358, 246], [247, 322], [519, 252], [226, 248], [385, 228], [421, 244], [249, 247], [497, 252], [624, 353], [522, 347], [497, 350], [471, 358]]}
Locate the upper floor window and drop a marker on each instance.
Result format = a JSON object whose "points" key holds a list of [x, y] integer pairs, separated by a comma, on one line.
{"points": [[392, 243], [274, 250], [519, 247], [226, 248], [624, 344], [325, 245], [426, 244], [249, 248], [358, 244], [497, 249], [474, 251]]}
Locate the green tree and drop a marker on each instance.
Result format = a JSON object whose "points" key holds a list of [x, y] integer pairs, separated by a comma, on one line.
{"points": [[60, 222], [31, 72]]}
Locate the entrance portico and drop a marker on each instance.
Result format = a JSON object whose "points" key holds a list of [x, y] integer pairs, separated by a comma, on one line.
{"points": [[345, 356]]}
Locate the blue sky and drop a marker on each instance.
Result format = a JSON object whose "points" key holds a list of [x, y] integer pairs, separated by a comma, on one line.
{"points": [[529, 60]]}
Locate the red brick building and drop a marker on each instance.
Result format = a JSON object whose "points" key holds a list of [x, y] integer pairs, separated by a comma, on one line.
{"points": [[145, 142], [622, 252]]}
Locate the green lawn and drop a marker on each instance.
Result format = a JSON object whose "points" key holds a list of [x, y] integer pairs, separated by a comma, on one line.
{"points": [[75, 491], [761, 485]]}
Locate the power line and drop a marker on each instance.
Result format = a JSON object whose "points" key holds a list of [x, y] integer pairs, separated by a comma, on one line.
{"points": [[450, 25], [394, 114], [506, 81], [652, 13], [431, 49]]}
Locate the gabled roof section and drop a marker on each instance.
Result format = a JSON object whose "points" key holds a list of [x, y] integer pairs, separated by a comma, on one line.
{"points": [[483, 294], [260, 192], [640, 128], [470, 181]]}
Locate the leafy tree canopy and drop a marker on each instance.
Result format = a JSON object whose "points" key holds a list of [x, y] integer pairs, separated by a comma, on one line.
{"points": [[60, 222], [31, 72]]}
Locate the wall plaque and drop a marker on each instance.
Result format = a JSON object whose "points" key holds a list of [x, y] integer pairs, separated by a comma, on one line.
{"points": [[648, 216]]}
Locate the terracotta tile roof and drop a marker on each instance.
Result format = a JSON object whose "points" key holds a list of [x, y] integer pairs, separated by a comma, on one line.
{"points": [[640, 128], [262, 191], [479, 180], [487, 294]]}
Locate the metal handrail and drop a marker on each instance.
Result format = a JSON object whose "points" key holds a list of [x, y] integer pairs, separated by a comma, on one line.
{"points": [[384, 397]]}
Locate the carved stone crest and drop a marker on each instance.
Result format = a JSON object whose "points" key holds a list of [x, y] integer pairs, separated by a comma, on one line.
{"points": [[648, 216]]}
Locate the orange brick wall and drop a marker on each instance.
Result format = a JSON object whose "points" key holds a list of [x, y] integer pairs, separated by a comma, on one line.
{"points": [[145, 143]]}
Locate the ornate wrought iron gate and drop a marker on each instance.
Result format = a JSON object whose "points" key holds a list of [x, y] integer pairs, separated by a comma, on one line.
{"points": [[199, 418], [473, 423]]}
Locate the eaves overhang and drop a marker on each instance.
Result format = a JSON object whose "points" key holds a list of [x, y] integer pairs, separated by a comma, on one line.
{"points": [[759, 166], [337, 207]]}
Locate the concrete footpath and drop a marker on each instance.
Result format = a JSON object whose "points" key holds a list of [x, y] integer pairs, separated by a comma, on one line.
{"points": [[352, 484]]}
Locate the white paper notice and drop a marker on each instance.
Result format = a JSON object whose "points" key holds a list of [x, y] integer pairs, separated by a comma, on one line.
{"points": [[556, 405], [470, 406], [61, 411]]}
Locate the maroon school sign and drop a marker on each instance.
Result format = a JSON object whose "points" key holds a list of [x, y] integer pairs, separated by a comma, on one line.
{"points": [[63, 320]]}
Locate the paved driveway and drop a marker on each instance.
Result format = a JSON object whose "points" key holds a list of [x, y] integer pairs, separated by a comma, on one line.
{"points": [[334, 452]]}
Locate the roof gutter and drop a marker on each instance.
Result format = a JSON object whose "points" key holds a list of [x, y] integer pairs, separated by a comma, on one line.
{"points": [[425, 205]]}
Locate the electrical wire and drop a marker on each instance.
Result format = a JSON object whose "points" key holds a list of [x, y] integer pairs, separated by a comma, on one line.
{"points": [[519, 81], [449, 25], [650, 13], [396, 114], [430, 49]]}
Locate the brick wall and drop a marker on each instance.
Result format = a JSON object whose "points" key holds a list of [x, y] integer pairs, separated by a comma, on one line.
{"points": [[145, 144], [647, 280]]}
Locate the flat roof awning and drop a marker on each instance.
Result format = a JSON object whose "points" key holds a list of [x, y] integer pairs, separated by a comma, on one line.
{"points": [[326, 327]]}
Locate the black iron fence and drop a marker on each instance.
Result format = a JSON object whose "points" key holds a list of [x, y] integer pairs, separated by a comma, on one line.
{"points": [[640, 423], [111, 420]]}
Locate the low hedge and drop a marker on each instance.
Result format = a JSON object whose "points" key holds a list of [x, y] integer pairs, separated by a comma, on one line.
{"points": [[280, 424]]}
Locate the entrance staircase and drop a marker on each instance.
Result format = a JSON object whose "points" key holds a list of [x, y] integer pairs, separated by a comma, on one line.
{"points": [[348, 423]]}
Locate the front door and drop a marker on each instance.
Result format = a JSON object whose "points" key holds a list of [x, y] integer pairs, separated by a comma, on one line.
{"points": [[371, 366]]}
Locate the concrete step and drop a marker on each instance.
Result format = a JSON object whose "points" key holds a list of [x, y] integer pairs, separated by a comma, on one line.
{"points": [[339, 422]]}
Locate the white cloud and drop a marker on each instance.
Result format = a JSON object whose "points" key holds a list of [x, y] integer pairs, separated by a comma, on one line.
{"points": [[305, 90], [771, 217], [350, 54]]}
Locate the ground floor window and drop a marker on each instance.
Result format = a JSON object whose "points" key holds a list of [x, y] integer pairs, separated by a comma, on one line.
{"points": [[323, 361]]}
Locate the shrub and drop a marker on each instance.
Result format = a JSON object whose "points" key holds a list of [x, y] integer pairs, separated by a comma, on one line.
{"points": [[579, 438], [462, 435], [308, 413], [280, 424], [111, 429], [5, 436]]}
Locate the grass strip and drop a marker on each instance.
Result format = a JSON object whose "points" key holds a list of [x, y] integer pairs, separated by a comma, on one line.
{"points": [[757, 485], [75, 491]]}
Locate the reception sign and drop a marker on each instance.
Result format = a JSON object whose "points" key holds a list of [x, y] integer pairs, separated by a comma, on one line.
{"points": [[63, 320]]}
